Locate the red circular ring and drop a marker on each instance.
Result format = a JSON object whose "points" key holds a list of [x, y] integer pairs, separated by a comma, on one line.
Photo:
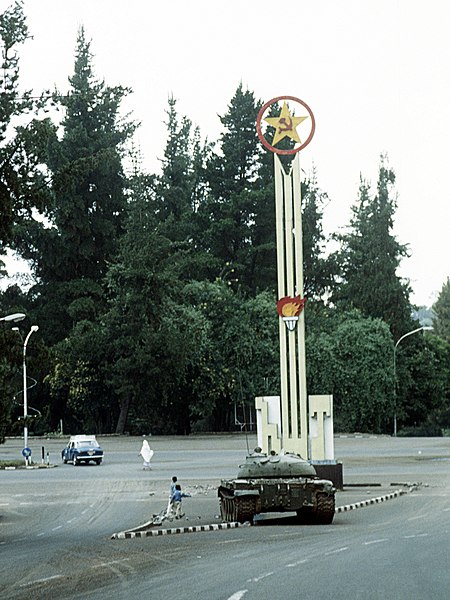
{"points": [[263, 139]]}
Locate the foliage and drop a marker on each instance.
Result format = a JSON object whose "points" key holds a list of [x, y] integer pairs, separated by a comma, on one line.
{"points": [[237, 215], [23, 184], [427, 399], [441, 308], [240, 359], [353, 361], [369, 258], [319, 271], [70, 249]]}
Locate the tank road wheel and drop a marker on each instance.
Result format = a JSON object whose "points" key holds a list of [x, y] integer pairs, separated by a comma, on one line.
{"points": [[325, 509]]}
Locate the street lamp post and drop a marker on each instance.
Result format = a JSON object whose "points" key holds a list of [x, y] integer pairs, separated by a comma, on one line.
{"points": [[25, 402], [395, 367]]}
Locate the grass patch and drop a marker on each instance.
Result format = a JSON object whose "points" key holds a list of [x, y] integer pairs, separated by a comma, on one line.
{"points": [[13, 463]]}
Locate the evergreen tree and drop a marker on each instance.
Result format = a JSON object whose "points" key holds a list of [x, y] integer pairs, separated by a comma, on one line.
{"points": [[441, 309], [22, 180], [179, 192], [369, 258], [239, 213], [151, 335], [318, 271], [236, 167], [70, 256]]}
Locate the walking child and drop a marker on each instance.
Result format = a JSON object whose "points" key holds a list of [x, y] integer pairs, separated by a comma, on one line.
{"points": [[169, 511], [176, 501]]}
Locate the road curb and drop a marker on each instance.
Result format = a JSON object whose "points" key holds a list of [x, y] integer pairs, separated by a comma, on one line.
{"points": [[370, 501], [126, 535]]}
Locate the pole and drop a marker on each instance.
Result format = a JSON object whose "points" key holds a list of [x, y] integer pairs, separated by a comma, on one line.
{"points": [[395, 393], [25, 399], [424, 328]]}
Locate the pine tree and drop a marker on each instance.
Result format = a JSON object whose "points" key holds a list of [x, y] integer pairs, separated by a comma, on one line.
{"points": [[239, 213], [180, 188], [318, 271], [23, 183], [179, 193], [70, 256], [441, 309], [89, 180], [369, 258]]}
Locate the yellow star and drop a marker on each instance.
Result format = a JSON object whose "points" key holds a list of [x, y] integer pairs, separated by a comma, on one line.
{"points": [[285, 125]]}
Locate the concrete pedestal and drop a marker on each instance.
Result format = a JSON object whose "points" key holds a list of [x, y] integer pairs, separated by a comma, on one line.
{"points": [[331, 470]]}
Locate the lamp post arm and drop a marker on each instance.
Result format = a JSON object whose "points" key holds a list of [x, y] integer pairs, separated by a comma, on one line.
{"points": [[407, 334], [15, 318]]}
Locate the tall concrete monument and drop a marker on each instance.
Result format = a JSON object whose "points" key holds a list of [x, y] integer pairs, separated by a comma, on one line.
{"points": [[292, 421]]}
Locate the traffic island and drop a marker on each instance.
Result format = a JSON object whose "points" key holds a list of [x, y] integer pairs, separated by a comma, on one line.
{"points": [[12, 465]]}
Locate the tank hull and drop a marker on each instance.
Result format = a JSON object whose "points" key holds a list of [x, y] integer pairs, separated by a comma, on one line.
{"points": [[313, 499]]}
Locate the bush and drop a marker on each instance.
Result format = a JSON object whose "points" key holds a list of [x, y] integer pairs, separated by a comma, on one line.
{"points": [[424, 430]]}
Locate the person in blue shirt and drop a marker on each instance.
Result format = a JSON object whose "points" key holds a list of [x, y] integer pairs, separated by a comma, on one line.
{"points": [[169, 509], [173, 485], [176, 501]]}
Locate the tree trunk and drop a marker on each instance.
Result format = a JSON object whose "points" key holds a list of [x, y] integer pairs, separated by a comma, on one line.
{"points": [[123, 416]]}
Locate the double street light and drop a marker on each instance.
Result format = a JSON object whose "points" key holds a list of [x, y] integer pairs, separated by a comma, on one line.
{"points": [[395, 367]]}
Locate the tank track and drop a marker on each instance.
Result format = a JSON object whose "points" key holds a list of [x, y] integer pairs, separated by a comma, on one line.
{"points": [[325, 509], [321, 514], [240, 509]]}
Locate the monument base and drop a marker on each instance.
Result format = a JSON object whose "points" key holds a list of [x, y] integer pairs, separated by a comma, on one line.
{"points": [[330, 469]]}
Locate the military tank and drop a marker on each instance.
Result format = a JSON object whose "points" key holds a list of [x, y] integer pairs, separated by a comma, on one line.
{"points": [[273, 482]]}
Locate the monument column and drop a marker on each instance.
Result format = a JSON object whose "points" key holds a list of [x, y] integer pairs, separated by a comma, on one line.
{"points": [[293, 393]]}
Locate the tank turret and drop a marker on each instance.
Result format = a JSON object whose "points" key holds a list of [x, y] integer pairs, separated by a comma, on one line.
{"points": [[258, 464]]}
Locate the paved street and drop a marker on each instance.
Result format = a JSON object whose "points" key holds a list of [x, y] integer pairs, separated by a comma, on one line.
{"points": [[56, 524]]}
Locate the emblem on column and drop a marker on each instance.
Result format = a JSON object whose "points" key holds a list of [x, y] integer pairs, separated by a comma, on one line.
{"points": [[289, 310]]}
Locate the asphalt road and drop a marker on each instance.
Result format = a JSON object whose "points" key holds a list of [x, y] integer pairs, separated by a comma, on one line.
{"points": [[56, 526]]}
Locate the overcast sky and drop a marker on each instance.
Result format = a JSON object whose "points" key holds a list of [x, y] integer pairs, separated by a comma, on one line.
{"points": [[375, 74]]}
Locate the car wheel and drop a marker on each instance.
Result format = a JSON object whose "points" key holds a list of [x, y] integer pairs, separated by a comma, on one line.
{"points": [[75, 462], [98, 461]]}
